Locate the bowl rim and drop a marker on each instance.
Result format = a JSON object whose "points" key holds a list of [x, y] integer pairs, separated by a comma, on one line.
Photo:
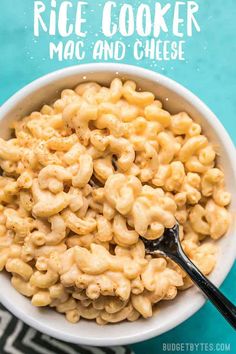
{"points": [[208, 116]]}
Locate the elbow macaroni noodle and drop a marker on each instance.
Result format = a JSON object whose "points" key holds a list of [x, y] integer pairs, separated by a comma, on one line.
{"points": [[83, 179]]}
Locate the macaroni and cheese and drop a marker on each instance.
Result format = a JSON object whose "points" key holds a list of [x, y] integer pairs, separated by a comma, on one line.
{"points": [[88, 175]]}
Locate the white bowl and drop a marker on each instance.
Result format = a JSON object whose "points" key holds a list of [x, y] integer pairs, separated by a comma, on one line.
{"points": [[176, 98]]}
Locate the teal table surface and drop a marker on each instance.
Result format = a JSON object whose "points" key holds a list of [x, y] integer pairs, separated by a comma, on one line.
{"points": [[209, 70]]}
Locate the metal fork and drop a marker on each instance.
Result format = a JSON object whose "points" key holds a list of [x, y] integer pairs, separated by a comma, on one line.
{"points": [[169, 246]]}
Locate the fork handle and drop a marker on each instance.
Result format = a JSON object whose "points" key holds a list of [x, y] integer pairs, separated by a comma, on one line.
{"points": [[227, 309]]}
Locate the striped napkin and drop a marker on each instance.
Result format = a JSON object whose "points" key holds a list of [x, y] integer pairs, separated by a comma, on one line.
{"points": [[18, 338]]}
